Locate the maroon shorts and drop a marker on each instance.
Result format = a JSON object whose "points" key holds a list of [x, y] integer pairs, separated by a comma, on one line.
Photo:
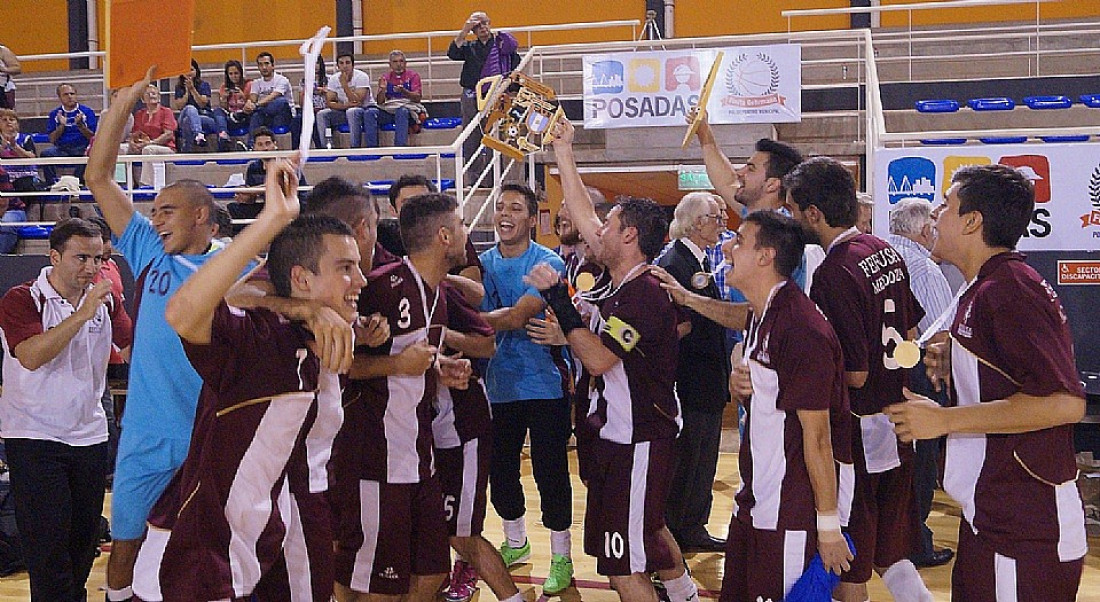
{"points": [[883, 522], [464, 475], [762, 564], [305, 571], [625, 514], [982, 575], [398, 532]]}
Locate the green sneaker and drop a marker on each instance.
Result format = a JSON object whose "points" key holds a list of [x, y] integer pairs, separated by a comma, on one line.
{"points": [[513, 556], [561, 575]]}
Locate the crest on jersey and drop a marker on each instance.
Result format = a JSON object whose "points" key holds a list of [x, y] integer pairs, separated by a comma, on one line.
{"points": [[395, 280], [624, 334]]}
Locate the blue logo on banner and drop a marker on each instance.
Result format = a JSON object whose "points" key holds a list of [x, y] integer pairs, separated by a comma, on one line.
{"points": [[607, 77], [911, 177]]}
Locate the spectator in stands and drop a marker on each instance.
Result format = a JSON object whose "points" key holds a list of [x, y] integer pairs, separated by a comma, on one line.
{"points": [[22, 178], [57, 334], [398, 90], [154, 132], [489, 54], [70, 127], [317, 101], [223, 225], [192, 100], [866, 209], [234, 96], [348, 91], [9, 66], [270, 102], [247, 205]]}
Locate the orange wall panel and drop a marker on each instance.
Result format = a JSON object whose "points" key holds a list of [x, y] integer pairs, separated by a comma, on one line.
{"points": [[700, 18], [1066, 9], [35, 27]]}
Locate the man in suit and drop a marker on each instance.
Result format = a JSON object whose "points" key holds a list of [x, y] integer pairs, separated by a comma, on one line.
{"points": [[701, 375]]}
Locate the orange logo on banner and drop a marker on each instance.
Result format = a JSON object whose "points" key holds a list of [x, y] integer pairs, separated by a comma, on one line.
{"points": [[1078, 272], [951, 163]]}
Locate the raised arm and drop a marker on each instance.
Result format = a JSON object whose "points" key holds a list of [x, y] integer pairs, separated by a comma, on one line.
{"points": [[719, 169], [99, 175], [576, 194], [730, 315], [190, 311], [41, 349]]}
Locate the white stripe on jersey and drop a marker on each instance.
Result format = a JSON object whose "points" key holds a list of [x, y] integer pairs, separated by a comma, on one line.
{"points": [[1072, 542], [846, 492], [1004, 578], [469, 489], [794, 558], [147, 566], [639, 475], [296, 556], [369, 509], [330, 416], [965, 452], [400, 422], [620, 409], [444, 433], [248, 503], [767, 431]]}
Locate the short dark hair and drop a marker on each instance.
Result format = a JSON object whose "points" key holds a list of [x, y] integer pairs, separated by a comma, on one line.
{"points": [[263, 130], [421, 216], [1004, 197], [267, 54], [70, 227], [782, 158], [347, 54], [198, 194], [341, 199], [649, 219], [528, 195], [826, 184], [104, 229], [784, 234], [407, 180], [223, 220], [301, 243]]}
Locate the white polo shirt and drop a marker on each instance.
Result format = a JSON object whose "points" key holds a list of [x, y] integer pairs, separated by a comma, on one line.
{"points": [[60, 401]]}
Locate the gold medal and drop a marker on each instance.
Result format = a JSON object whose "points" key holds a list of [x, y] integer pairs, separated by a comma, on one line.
{"points": [[699, 280], [907, 354], [585, 282]]}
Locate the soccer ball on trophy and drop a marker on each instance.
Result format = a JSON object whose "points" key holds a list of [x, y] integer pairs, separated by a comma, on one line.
{"points": [[523, 114]]}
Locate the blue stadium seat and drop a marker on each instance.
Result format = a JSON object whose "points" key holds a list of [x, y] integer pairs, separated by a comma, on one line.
{"points": [[992, 104], [343, 128], [1040, 103], [409, 157], [323, 159], [447, 156], [1090, 100], [937, 106], [446, 184], [379, 187], [388, 127], [364, 158], [40, 138], [231, 162], [34, 232], [1078, 138], [944, 142], [442, 123], [280, 129], [238, 131], [194, 162], [1005, 140]]}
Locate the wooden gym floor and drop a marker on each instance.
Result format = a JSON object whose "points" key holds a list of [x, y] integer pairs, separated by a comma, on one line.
{"points": [[706, 568]]}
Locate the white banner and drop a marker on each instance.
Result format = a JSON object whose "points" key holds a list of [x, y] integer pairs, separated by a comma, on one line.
{"points": [[754, 84], [1066, 178]]}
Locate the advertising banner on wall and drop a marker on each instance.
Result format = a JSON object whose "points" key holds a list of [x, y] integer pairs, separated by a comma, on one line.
{"points": [[1066, 179], [754, 84]]}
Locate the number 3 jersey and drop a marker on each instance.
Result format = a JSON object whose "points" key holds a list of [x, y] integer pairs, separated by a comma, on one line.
{"points": [[388, 420]]}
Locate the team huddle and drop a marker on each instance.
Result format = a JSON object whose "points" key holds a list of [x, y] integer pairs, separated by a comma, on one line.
{"points": [[317, 424]]}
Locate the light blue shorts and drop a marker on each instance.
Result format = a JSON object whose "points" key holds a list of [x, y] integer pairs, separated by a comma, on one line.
{"points": [[145, 466]]}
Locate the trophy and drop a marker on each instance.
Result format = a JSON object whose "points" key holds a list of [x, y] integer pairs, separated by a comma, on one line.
{"points": [[524, 111]]}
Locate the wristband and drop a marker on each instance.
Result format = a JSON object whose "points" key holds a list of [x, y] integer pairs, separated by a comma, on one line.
{"points": [[557, 297], [828, 521]]}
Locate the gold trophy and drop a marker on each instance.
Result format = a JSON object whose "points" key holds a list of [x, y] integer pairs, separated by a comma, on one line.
{"points": [[524, 112]]}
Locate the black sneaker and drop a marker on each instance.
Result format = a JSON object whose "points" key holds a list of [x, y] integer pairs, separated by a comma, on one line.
{"points": [[104, 530]]}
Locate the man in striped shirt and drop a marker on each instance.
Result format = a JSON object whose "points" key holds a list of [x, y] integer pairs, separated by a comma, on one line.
{"points": [[911, 236]]}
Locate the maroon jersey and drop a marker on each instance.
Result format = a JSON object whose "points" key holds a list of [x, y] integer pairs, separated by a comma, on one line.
{"points": [[231, 509], [634, 400], [862, 286], [1016, 491], [382, 257], [391, 417], [796, 364], [472, 260], [462, 414]]}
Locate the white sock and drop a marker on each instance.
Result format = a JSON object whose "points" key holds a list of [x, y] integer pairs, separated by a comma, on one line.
{"points": [[119, 595], [561, 542], [682, 588], [515, 532], [905, 584], [518, 597]]}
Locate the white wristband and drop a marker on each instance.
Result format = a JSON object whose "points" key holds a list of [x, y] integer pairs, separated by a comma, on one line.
{"points": [[828, 521]]}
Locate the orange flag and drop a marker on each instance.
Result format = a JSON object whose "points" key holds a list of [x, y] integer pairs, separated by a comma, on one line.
{"points": [[141, 33]]}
